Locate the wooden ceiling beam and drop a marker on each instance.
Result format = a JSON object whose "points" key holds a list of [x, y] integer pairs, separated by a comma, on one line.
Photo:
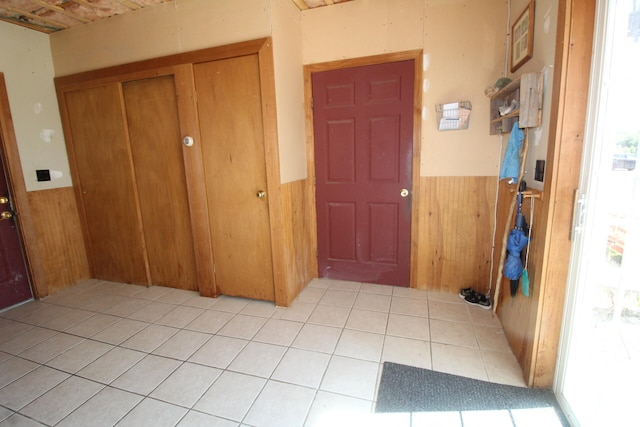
{"points": [[301, 4], [29, 25], [85, 3], [129, 4], [60, 10], [54, 24], [49, 22]]}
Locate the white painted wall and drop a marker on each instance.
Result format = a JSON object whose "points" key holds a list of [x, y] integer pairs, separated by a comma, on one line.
{"points": [[25, 60]]}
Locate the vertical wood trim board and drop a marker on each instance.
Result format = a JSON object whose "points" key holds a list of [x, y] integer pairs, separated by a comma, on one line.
{"points": [[196, 189], [310, 191], [456, 226], [416, 181], [60, 241], [281, 279], [565, 142]]}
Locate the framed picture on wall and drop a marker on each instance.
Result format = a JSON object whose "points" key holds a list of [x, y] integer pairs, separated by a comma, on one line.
{"points": [[522, 37]]}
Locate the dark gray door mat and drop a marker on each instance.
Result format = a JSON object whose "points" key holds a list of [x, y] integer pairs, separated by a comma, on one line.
{"points": [[410, 389]]}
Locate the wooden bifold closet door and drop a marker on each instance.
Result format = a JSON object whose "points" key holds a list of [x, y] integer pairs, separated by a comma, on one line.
{"points": [[106, 184], [154, 135], [126, 139], [157, 211], [230, 115]]}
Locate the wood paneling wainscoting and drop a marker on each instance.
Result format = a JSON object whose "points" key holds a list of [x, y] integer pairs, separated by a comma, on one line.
{"points": [[60, 244], [64, 260], [456, 220], [298, 235], [518, 314]]}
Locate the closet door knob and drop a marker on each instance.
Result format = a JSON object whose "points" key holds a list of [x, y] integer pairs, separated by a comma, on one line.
{"points": [[261, 194]]}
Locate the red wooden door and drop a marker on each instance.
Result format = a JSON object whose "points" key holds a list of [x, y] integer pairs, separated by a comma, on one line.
{"points": [[363, 130], [14, 280]]}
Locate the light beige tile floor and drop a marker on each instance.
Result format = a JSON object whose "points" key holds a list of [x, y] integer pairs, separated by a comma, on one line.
{"points": [[105, 354]]}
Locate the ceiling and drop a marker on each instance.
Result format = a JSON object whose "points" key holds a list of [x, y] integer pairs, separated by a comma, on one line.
{"points": [[49, 16]]}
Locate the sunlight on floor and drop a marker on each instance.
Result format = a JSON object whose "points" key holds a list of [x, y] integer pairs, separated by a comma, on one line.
{"points": [[533, 417]]}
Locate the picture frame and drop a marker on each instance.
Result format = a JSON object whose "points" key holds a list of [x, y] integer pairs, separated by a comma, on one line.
{"points": [[522, 37]]}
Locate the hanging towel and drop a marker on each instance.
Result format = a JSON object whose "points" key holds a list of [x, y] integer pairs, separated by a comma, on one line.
{"points": [[511, 162]]}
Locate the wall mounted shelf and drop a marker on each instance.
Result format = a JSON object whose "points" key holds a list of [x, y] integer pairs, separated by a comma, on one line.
{"points": [[526, 94]]}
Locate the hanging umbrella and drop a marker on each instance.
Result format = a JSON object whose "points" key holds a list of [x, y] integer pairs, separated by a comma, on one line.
{"points": [[516, 242]]}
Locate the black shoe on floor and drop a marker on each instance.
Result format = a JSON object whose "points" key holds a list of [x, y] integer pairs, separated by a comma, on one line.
{"points": [[465, 292], [479, 300]]}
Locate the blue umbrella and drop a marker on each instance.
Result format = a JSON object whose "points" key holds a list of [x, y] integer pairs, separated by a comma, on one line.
{"points": [[516, 242]]}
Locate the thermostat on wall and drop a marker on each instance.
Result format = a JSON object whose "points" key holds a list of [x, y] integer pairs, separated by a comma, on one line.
{"points": [[539, 174]]}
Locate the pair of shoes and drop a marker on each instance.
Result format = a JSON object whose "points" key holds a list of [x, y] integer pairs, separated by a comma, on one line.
{"points": [[465, 292], [480, 300]]}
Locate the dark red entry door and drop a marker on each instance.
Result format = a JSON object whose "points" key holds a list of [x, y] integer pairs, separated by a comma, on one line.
{"points": [[14, 280], [363, 130]]}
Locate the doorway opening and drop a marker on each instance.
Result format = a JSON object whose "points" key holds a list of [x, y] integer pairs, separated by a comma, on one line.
{"points": [[15, 283], [597, 371]]}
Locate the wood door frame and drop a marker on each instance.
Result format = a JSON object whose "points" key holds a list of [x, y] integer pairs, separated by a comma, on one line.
{"points": [[180, 65], [416, 56], [535, 323], [569, 103], [20, 199]]}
